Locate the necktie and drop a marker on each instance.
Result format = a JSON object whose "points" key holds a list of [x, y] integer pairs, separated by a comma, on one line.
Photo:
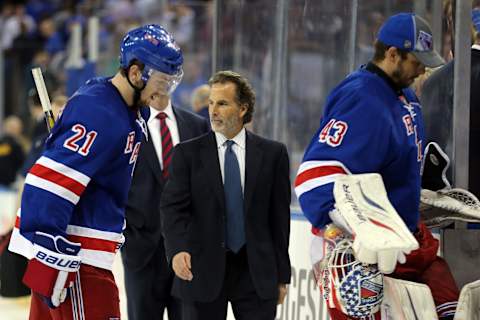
{"points": [[167, 144], [233, 201]]}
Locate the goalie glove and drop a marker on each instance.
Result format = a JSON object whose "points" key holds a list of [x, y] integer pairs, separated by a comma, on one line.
{"points": [[443, 207], [52, 269], [380, 235]]}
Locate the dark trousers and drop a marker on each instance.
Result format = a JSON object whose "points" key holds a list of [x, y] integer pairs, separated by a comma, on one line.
{"points": [[238, 289], [148, 290], [12, 268]]}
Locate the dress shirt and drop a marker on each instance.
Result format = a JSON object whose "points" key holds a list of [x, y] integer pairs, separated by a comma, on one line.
{"points": [[238, 147]]}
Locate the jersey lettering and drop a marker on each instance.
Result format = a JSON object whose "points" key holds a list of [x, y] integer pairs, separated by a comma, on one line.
{"points": [[333, 133], [134, 156], [407, 120], [79, 133], [130, 141]]}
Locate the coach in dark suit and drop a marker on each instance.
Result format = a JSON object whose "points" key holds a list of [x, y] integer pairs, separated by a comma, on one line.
{"points": [[148, 278], [225, 213]]}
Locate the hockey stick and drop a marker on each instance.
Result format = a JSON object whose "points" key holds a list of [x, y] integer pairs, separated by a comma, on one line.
{"points": [[44, 99]]}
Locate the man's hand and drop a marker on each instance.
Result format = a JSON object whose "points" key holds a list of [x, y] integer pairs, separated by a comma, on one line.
{"points": [[182, 266], [282, 293]]}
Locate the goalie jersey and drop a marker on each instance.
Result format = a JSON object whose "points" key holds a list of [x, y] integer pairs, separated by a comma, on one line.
{"points": [[367, 126], [78, 188]]}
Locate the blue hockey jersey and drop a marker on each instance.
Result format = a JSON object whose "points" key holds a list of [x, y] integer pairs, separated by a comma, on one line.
{"points": [[366, 127], [78, 188]]}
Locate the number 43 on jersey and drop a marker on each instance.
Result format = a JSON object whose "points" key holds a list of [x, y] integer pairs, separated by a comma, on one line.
{"points": [[333, 133]]}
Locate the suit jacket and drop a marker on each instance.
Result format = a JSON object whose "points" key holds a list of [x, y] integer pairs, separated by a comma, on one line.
{"points": [[437, 109], [143, 231], [193, 216]]}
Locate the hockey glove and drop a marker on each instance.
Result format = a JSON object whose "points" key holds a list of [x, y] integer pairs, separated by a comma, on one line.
{"points": [[52, 269], [380, 235]]}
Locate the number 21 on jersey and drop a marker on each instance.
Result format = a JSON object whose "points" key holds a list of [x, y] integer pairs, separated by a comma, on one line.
{"points": [[333, 133], [79, 133]]}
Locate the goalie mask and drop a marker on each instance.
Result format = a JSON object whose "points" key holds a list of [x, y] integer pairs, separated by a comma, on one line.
{"points": [[349, 286]]}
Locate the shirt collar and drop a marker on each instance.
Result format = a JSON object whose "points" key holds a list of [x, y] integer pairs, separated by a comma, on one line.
{"points": [[239, 139], [168, 110], [373, 68], [476, 46]]}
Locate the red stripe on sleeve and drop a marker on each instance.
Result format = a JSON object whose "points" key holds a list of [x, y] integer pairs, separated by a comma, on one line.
{"points": [[95, 244], [57, 178], [317, 172]]}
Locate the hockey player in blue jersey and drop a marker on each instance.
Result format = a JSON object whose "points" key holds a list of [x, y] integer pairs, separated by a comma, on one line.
{"points": [[372, 123], [72, 211]]}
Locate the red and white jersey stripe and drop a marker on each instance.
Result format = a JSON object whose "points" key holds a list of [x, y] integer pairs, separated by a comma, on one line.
{"points": [[98, 247], [57, 178], [313, 174]]}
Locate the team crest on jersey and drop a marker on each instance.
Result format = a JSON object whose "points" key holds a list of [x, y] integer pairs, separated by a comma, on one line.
{"points": [[411, 126], [132, 148]]}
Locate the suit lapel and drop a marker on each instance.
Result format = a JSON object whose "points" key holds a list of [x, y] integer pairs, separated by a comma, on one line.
{"points": [[209, 157], [151, 155], [183, 131], [253, 160]]}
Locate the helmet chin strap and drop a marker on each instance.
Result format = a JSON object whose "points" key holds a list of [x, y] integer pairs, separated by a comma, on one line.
{"points": [[136, 92]]}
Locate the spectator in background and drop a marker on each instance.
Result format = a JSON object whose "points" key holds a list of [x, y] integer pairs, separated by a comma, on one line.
{"points": [[194, 76], [200, 101], [178, 19], [55, 40], [12, 27], [38, 127], [11, 151], [40, 131]]}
